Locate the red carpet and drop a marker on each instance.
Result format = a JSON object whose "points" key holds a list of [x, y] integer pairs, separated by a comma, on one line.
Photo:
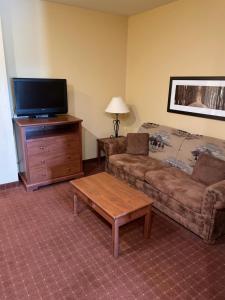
{"points": [[47, 253]]}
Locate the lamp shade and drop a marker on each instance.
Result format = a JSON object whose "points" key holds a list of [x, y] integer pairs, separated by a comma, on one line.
{"points": [[117, 106]]}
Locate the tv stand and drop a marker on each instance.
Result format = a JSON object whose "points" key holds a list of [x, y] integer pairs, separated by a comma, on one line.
{"points": [[49, 150]]}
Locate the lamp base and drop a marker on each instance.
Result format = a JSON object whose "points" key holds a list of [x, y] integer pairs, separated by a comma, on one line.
{"points": [[116, 124]]}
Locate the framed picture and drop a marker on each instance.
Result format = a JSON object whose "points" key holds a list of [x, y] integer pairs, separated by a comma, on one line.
{"points": [[197, 96]]}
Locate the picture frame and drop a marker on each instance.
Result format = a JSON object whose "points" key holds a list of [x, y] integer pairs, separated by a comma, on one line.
{"points": [[197, 96]]}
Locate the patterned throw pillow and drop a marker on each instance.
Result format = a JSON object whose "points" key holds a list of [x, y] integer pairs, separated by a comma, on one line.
{"points": [[194, 145], [208, 169], [138, 143]]}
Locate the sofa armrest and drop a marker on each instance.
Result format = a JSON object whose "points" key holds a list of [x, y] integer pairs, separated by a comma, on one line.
{"points": [[116, 146], [214, 198]]}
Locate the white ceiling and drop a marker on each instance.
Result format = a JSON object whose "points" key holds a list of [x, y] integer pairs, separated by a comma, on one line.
{"points": [[122, 7]]}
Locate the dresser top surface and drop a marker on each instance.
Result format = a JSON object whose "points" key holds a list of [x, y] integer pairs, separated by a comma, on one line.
{"points": [[62, 119]]}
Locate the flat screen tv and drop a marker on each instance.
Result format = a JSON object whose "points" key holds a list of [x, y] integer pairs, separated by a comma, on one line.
{"points": [[35, 96]]}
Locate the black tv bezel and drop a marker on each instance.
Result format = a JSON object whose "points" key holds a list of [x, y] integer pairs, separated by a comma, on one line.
{"points": [[40, 111]]}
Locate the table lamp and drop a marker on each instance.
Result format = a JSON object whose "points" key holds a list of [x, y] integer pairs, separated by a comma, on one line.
{"points": [[117, 106]]}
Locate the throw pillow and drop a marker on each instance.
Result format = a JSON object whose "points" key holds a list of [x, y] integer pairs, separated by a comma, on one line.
{"points": [[138, 143], [209, 169]]}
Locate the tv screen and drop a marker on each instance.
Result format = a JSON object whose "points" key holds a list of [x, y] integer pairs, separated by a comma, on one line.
{"points": [[34, 96]]}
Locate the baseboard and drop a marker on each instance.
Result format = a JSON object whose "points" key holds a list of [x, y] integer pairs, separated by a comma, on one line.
{"points": [[9, 185]]}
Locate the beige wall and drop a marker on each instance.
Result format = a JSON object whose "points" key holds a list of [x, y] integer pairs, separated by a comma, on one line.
{"points": [[88, 48], [184, 38]]}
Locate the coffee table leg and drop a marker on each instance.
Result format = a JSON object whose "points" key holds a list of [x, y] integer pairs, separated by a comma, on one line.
{"points": [[148, 223], [75, 205], [115, 238], [78, 206]]}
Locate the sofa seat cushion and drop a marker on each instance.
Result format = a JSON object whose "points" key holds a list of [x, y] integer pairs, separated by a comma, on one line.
{"points": [[120, 160], [178, 186], [135, 165]]}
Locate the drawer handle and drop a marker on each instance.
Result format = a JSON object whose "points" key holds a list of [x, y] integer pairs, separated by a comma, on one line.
{"points": [[42, 148]]}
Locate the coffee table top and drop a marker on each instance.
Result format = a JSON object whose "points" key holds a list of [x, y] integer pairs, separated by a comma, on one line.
{"points": [[112, 195]]}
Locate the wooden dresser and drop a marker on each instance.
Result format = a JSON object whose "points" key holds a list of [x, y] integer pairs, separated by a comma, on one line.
{"points": [[49, 150]]}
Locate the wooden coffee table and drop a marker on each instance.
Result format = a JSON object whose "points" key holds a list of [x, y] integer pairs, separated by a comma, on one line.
{"points": [[114, 200]]}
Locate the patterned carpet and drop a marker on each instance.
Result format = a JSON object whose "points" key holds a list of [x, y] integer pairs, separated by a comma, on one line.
{"points": [[47, 253]]}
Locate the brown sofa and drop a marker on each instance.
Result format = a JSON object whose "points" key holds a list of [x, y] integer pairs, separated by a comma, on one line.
{"points": [[165, 175]]}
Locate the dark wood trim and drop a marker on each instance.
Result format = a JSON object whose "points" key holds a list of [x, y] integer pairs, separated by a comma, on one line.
{"points": [[9, 185]]}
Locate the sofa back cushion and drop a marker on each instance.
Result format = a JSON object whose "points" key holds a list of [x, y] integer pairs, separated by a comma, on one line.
{"points": [[180, 148], [164, 142], [138, 143], [208, 169]]}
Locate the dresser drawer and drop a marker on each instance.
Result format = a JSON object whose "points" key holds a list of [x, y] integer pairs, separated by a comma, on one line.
{"points": [[54, 168], [66, 139], [50, 145], [59, 159], [64, 169], [53, 158], [38, 174], [59, 139], [37, 147], [37, 161]]}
